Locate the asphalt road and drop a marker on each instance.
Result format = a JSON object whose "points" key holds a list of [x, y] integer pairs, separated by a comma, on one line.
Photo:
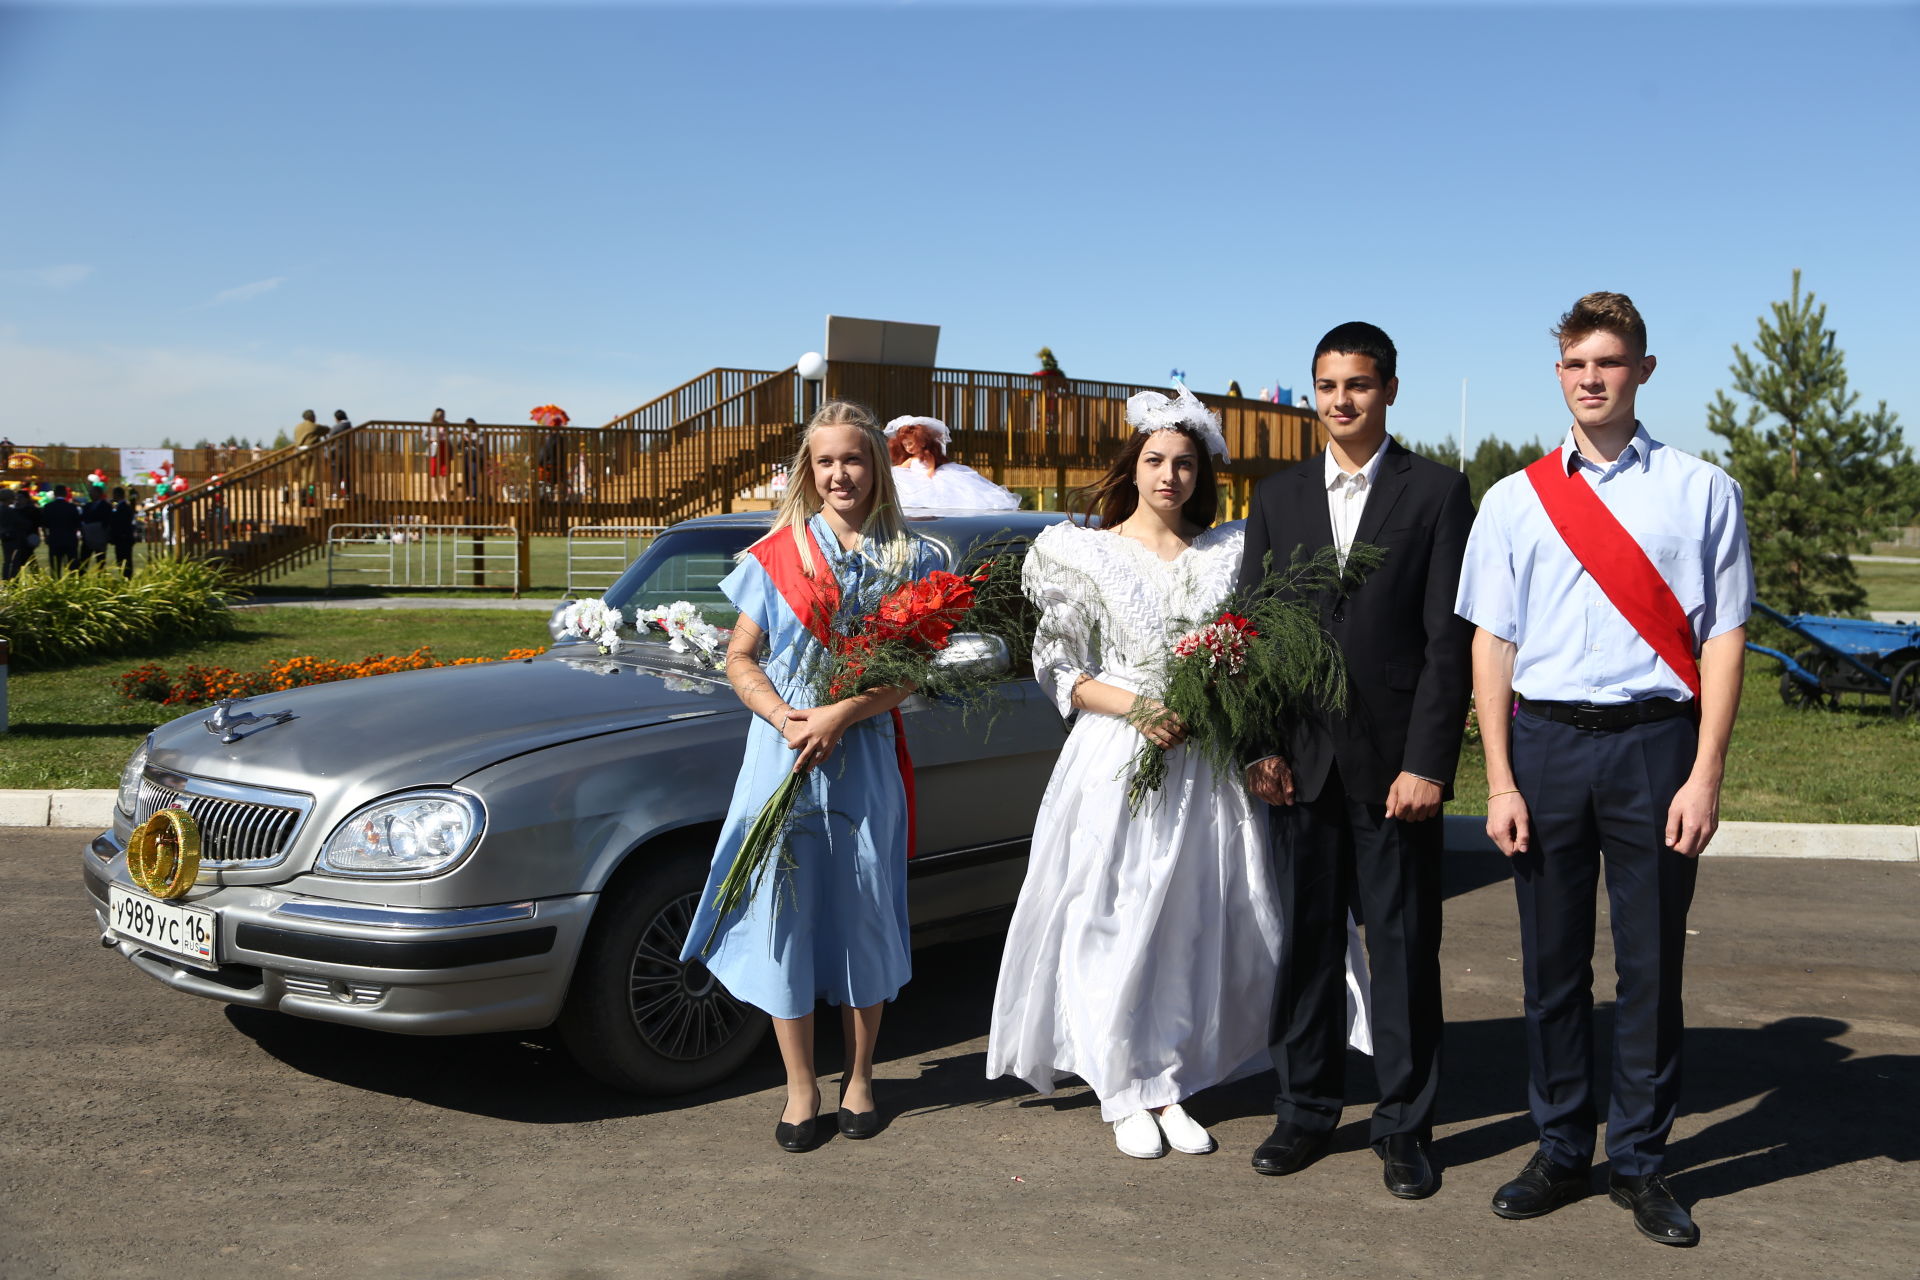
{"points": [[147, 1134]]}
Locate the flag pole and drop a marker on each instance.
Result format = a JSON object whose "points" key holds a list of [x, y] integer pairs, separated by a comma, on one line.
{"points": [[1463, 424]]}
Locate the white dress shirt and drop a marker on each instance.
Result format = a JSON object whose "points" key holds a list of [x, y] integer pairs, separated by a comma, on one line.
{"points": [[1521, 583], [1347, 497]]}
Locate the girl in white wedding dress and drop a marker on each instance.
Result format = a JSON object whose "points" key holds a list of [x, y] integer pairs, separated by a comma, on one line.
{"points": [[924, 478], [1143, 950]]}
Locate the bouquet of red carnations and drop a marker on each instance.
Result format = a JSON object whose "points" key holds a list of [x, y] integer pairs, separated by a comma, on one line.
{"points": [[1234, 682], [896, 644]]}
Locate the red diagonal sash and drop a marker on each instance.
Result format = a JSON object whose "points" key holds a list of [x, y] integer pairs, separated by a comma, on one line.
{"points": [[814, 600], [1617, 565]]}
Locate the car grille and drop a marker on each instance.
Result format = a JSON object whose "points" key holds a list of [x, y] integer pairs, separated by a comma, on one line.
{"points": [[232, 832]]}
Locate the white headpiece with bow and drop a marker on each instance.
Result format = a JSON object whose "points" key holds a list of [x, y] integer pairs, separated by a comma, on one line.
{"points": [[934, 427], [1151, 411]]}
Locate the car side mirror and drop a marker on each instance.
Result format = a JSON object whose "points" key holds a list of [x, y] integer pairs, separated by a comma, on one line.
{"points": [[975, 653]]}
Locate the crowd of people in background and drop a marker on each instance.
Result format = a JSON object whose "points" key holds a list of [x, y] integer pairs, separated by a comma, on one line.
{"points": [[76, 535]]}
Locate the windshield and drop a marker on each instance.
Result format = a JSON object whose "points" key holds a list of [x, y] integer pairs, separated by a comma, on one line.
{"points": [[688, 563], [685, 564]]}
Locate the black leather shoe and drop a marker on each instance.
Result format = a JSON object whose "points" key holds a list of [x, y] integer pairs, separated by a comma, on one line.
{"points": [[1289, 1149], [1655, 1212], [859, 1124], [1542, 1187], [797, 1137], [1405, 1167]]}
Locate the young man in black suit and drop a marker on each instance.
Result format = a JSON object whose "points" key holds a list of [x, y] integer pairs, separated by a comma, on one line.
{"points": [[1357, 797], [61, 520]]}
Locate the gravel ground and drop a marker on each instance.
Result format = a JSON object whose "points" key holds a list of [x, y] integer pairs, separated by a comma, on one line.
{"points": [[147, 1133]]}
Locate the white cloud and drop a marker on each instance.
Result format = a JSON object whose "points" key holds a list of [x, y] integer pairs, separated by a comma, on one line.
{"points": [[247, 292], [64, 276]]}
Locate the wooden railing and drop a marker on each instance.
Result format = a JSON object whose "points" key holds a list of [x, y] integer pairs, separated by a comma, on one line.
{"points": [[273, 514], [1056, 434], [734, 428], [689, 398]]}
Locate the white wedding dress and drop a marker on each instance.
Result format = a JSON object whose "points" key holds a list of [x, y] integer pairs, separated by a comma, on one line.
{"points": [[951, 487], [1143, 951]]}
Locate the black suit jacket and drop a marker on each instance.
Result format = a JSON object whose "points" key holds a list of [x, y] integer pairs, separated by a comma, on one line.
{"points": [[61, 520], [1409, 656]]}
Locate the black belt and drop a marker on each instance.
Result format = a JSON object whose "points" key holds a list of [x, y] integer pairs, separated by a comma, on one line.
{"points": [[1619, 715]]}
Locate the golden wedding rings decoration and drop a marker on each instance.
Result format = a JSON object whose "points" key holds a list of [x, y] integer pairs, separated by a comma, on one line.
{"points": [[163, 854]]}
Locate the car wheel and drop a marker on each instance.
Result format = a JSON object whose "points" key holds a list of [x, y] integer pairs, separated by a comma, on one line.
{"points": [[639, 1019]]}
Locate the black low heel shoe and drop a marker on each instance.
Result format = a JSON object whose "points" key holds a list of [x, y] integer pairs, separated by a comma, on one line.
{"points": [[796, 1137], [863, 1124]]}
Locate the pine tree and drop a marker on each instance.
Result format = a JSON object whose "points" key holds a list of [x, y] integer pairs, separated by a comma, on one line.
{"points": [[1821, 478], [1492, 460]]}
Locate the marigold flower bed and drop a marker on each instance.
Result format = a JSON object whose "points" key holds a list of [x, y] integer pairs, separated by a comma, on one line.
{"points": [[152, 682]]}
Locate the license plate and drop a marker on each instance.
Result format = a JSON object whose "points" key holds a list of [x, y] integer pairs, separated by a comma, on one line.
{"points": [[185, 933]]}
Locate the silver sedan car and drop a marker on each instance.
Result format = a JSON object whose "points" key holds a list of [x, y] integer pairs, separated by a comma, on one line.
{"points": [[510, 845]]}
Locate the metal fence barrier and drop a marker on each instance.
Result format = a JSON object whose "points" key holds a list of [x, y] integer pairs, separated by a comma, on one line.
{"points": [[416, 554], [599, 553]]}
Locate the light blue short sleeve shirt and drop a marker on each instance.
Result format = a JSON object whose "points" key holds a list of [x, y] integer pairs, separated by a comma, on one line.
{"points": [[1521, 583]]}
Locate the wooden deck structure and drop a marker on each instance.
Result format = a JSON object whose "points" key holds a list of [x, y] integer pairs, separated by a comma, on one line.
{"points": [[703, 447]]}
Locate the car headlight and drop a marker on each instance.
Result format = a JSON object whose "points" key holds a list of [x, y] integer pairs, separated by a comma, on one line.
{"points": [[130, 779], [421, 833]]}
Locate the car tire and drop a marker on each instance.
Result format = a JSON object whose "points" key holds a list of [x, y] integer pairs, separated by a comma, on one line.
{"points": [[639, 1019]]}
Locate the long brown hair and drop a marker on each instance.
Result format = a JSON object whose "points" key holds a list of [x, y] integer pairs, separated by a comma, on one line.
{"points": [[929, 446], [1114, 496]]}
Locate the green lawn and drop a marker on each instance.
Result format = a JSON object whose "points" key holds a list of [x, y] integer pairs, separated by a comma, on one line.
{"points": [[71, 728], [547, 572], [1858, 764], [1891, 586]]}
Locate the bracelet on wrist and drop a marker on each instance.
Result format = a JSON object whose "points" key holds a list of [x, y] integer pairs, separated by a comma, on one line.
{"points": [[1510, 791]]}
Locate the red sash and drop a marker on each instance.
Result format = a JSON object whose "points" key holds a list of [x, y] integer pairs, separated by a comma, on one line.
{"points": [[814, 600], [1617, 565]]}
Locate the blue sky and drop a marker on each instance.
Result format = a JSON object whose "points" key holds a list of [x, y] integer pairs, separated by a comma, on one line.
{"points": [[217, 217]]}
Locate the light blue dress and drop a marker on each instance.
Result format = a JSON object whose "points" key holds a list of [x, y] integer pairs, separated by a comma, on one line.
{"points": [[834, 923]]}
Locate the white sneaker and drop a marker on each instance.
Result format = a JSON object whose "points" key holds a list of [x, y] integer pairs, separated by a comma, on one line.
{"points": [[1184, 1132], [1138, 1136]]}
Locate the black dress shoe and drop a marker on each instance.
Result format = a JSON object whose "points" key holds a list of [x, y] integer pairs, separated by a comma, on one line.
{"points": [[1655, 1212], [799, 1137], [1407, 1171], [1289, 1149], [1542, 1187], [796, 1137], [859, 1124]]}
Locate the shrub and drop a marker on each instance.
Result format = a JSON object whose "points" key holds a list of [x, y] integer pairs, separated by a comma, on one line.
{"points": [[51, 620]]}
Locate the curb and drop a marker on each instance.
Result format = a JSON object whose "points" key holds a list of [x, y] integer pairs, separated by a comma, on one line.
{"points": [[1465, 833], [57, 808]]}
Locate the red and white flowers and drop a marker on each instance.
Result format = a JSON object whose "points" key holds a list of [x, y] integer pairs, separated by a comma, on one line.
{"points": [[687, 631], [593, 620], [1222, 645]]}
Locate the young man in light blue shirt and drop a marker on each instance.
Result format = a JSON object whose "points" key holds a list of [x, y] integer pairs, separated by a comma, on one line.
{"points": [[1618, 746]]}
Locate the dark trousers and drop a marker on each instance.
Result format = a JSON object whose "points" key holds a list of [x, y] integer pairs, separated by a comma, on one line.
{"points": [[1331, 855], [123, 555], [62, 558], [1589, 792]]}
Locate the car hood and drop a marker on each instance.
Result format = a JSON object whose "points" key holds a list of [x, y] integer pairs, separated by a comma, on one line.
{"points": [[433, 727]]}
